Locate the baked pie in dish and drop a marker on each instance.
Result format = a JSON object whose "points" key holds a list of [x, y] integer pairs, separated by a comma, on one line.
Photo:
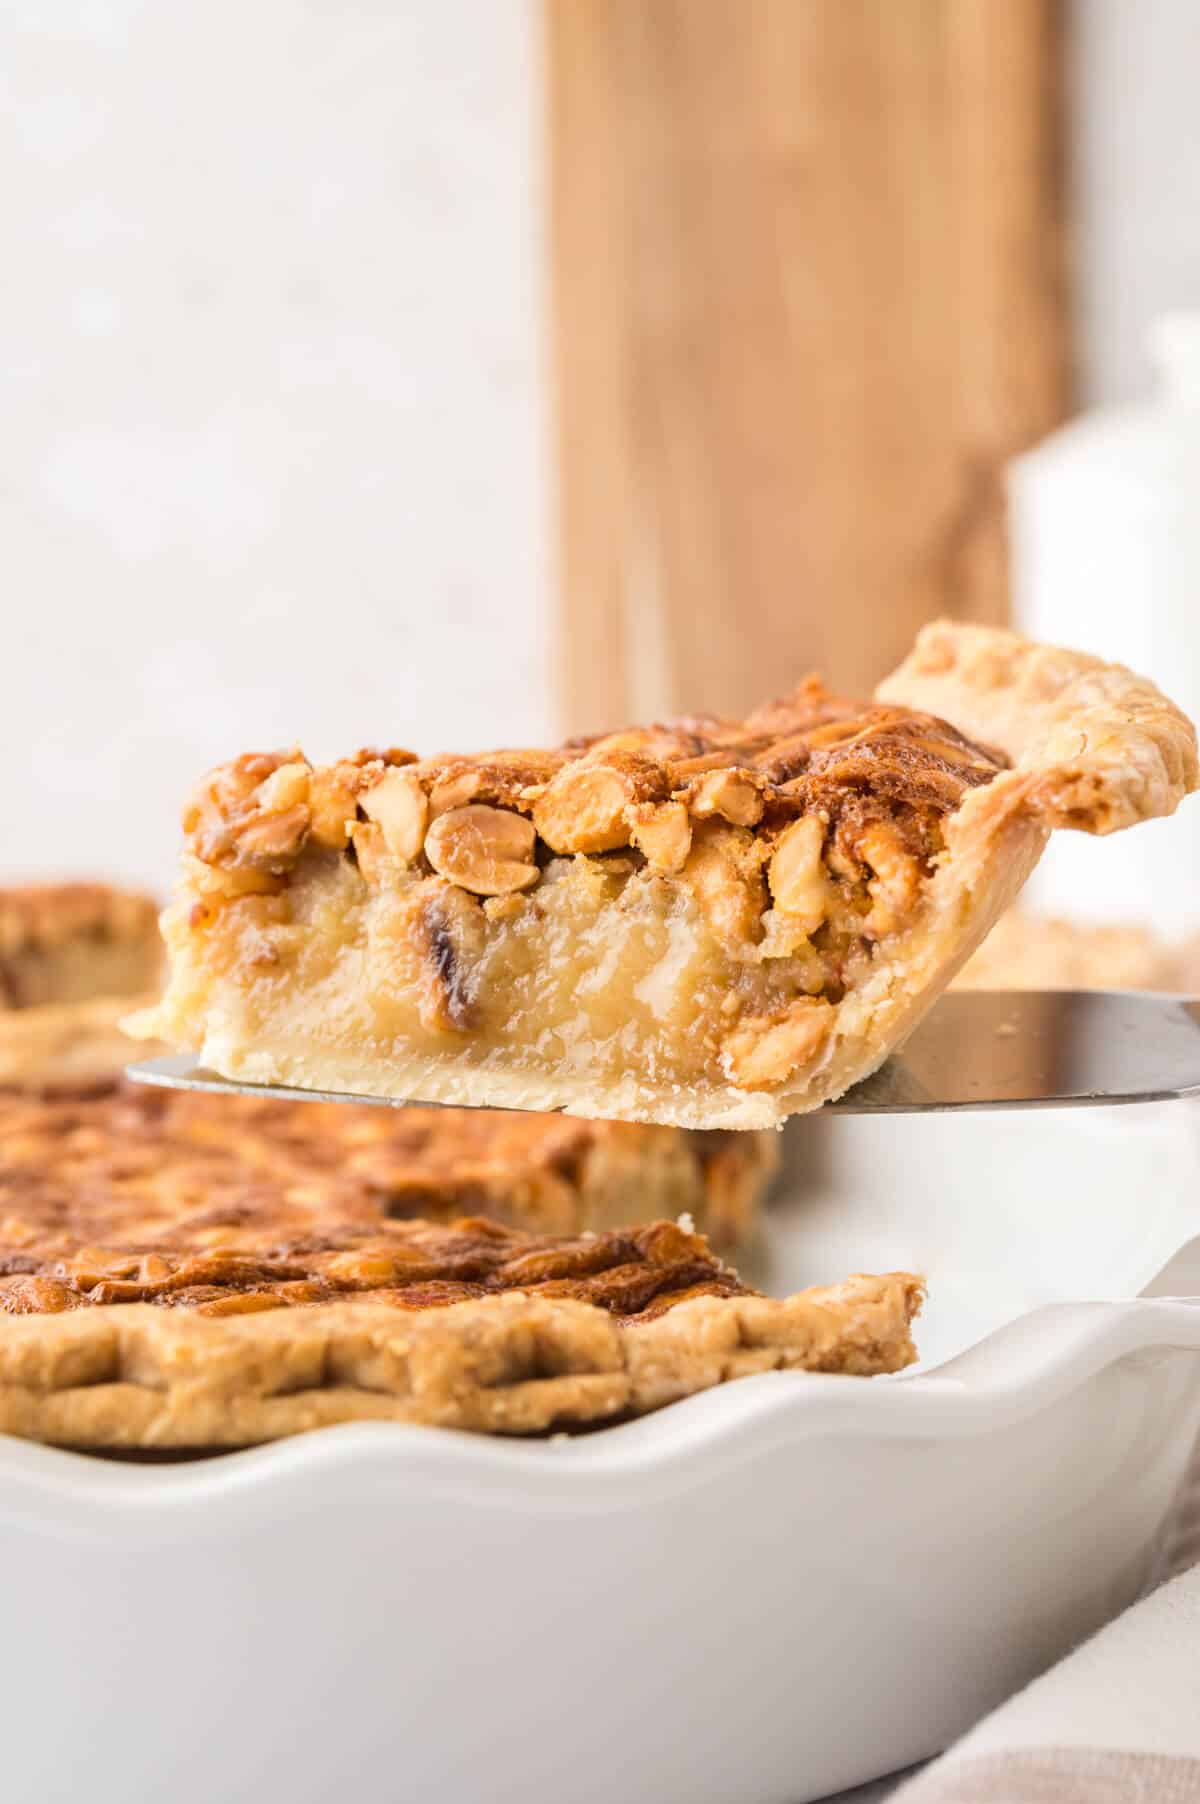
{"points": [[207, 1296], [74, 959], [712, 923], [94, 1169], [1037, 952]]}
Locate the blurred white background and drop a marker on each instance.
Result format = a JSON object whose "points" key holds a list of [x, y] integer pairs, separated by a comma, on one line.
{"points": [[1136, 182], [270, 434], [272, 404]]}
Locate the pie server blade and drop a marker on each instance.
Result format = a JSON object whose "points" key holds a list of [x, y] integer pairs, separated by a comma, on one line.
{"points": [[1000, 1049]]}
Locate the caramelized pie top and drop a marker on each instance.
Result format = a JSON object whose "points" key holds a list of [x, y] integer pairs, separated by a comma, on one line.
{"points": [[268, 1262], [488, 823], [164, 1196]]}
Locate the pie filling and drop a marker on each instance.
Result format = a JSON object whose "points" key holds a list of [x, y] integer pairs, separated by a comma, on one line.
{"points": [[165, 1169], [674, 908]]}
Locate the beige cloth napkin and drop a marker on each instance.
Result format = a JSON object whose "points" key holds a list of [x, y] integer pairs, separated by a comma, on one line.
{"points": [[1118, 1720]]}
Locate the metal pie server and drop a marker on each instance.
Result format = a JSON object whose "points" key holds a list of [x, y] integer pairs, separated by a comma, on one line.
{"points": [[1004, 1049]]}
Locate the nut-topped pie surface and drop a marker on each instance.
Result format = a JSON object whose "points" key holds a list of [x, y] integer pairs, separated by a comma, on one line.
{"points": [[262, 1263], [196, 1281], [707, 922], [515, 1361], [192, 1180], [74, 958]]}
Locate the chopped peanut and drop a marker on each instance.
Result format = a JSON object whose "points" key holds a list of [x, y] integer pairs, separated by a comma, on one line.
{"points": [[762, 1054], [252, 813], [896, 882], [724, 874], [486, 850], [454, 790], [285, 788], [662, 832], [797, 876], [729, 793], [333, 802], [583, 810], [399, 805]]}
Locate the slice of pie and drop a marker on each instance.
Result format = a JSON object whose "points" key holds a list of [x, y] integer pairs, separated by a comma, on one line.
{"points": [[134, 1163], [714, 923], [74, 959]]}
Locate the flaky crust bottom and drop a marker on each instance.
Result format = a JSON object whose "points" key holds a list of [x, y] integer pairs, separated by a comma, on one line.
{"points": [[137, 1376], [413, 1076], [1093, 746]]}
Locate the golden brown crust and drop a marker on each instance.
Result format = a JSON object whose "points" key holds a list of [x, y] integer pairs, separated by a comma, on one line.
{"points": [[834, 862], [1093, 746], [138, 1377], [191, 1176]]}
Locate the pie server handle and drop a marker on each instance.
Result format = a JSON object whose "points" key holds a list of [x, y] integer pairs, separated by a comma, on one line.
{"points": [[1001, 1049]]}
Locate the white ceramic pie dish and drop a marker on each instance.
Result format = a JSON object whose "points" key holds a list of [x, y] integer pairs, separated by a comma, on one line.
{"points": [[762, 1594]]}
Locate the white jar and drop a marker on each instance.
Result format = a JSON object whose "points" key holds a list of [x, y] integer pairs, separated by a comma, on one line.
{"points": [[1105, 543]]}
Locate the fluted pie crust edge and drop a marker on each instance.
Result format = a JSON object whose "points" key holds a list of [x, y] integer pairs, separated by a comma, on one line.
{"points": [[134, 1376]]}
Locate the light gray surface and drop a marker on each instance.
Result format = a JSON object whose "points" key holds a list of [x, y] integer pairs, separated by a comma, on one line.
{"points": [[1135, 178]]}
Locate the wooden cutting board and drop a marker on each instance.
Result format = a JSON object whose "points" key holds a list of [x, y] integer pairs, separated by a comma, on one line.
{"points": [[807, 300]]}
